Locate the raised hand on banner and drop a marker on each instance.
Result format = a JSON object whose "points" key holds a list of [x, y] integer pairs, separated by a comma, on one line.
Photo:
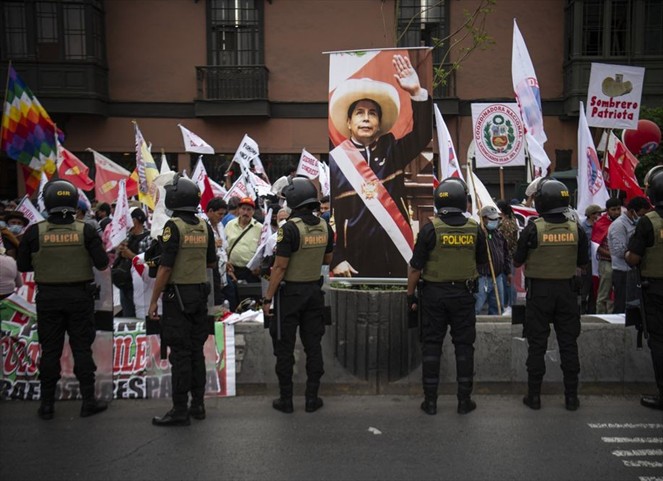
{"points": [[406, 75]]}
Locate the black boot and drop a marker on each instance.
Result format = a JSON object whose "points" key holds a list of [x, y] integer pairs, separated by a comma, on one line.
{"points": [[174, 417], [46, 410], [313, 402], [91, 405], [197, 409], [284, 402], [429, 405], [571, 402], [533, 398], [653, 402], [465, 403]]}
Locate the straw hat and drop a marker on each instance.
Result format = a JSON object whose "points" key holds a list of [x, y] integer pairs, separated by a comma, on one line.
{"points": [[351, 90]]}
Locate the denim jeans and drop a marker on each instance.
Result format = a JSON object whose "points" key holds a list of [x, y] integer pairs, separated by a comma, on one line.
{"points": [[486, 293]]}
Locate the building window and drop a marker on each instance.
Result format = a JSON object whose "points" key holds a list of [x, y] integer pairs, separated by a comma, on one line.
{"points": [[653, 27], [235, 32], [424, 23], [54, 30]]}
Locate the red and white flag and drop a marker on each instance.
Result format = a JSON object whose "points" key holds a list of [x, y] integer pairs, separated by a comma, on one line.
{"points": [[107, 177], [449, 166], [193, 143], [324, 178], [207, 194], [199, 174], [620, 169], [40, 195], [29, 211], [591, 185], [259, 184], [72, 169], [121, 222], [240, 189], [308, 165]]}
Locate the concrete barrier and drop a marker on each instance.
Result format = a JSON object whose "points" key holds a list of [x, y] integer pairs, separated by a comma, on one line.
{"points": [[610, 362]]}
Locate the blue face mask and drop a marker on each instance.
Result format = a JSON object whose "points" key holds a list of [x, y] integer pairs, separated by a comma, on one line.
{"points": [[492, 224], [15, 229], [3, 224]]}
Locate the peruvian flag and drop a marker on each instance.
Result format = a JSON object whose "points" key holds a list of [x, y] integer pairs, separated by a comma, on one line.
{"points": [[107, 178], [620, 169], [207, 193], [72, 169], [449, 166]]}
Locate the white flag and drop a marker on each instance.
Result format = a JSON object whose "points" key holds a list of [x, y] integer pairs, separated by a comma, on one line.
{"points": [[308, 165], [258, 183], [537, 155], [526, 87], [193, 143], [449, 166], [324, 178], [29, 211], [121, 222], [40, 194], [199, 174], [480, 195], [258, 167], [591, 185], [165, 168], [246, 152], [159, 216]]}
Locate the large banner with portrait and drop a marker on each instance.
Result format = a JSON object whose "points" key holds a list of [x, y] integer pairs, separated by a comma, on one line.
{"points": [[380, 120]]}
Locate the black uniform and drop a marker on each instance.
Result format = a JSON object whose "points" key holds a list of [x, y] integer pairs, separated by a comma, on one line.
{"points": [[299, 304], [185, 331], [64, 307], [641, 243], [552, 300], [444, 305]]}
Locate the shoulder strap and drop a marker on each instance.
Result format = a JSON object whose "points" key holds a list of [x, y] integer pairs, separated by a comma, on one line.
{"points": [[239, 238]]}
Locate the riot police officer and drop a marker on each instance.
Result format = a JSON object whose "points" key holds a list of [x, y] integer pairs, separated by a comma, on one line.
{"points": [[62, 251], [187, 250], [445, 256], [552, 247], [304, 244], [646, 250]]}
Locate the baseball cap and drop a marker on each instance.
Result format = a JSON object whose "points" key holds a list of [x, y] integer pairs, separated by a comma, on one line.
{"points": [[247, 201], [593, 209], [490, 211]]}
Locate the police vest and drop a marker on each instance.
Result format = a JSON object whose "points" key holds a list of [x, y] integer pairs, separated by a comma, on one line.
{"points": [[191, 260], [556, 254], [62, 257], [454, 255], [305, 263], [652, 261]]}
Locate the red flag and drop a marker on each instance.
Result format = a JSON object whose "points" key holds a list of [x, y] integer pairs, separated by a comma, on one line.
{"points": [[72, 169], [132, 184], [621, 169], [107, 178], [207, 195]]}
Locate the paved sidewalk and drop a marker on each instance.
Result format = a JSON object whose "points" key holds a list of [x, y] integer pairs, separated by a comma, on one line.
{"points": [[351, 437]]}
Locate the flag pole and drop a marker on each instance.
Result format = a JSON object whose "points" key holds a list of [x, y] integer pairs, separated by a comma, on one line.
{"points": [[501, 182], [490, 257]]}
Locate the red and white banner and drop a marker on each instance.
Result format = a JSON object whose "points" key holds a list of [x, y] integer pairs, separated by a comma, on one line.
{"points": [[246, 152], [240, 189], [121, 222], [308, 165], [614, 95], [29, 211]]}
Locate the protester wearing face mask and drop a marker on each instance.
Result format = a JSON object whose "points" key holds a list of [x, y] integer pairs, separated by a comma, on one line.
{"points": [[501, 263], [619, 233], [9, 240]]}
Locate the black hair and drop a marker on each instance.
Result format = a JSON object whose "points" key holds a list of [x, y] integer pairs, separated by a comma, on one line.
{"points": [[139, 215], [215, 204], [504, 206], [105, 207], [638, 203], [325, 198], [353, 105]]}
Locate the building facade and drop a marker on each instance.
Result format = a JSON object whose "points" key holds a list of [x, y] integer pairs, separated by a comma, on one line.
{"points": [[225, 68]]}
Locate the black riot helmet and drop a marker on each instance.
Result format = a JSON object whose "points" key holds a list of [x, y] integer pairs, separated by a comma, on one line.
{"points": [[654, 185], [451, 196], [183, 195], [60, 196], [551, 197], [300, 192]]}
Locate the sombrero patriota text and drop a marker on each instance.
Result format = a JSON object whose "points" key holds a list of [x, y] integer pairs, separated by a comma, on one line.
{"points": [[352, 90]]}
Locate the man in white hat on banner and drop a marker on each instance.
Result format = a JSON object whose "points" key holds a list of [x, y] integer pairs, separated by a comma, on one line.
{"points": [[367, 172]]}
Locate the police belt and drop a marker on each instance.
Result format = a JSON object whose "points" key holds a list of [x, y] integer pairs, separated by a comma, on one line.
{"points": [[468, 283], [66, 284]]}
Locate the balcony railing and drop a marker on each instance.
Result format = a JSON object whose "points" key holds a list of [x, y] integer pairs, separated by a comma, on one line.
{"points": [[247, 82]]}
